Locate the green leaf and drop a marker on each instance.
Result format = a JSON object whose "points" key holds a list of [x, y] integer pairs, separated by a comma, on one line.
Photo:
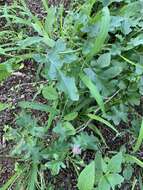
{"points": [[49, 93], [86, 141], [11, 181], [67, 84], [64, 130], [3, 106], [133, 160], [110, 180], [104, 60], [115, 179], [29, 41], [139, 140], [104, 184], [35, 106], [104, 27], [128, 172], [71, 116], [50, 20], [100, 119], [114, 165], [87, 177], [33, 176], [93, 90], [55, 166]]}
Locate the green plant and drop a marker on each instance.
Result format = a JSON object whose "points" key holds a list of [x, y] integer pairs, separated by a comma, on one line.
{"points": [[90, 58]]}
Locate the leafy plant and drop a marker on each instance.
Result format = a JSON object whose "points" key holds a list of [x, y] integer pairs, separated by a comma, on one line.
{"points": [[90, 58]]}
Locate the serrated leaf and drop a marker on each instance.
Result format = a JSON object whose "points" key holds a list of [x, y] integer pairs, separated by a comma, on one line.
{"points": [[67, 84], [93, 90], [49, 93], [87, 177]]}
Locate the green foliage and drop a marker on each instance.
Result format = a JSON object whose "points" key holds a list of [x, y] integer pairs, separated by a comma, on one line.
{"points": [[88, 173], [90, 58]]}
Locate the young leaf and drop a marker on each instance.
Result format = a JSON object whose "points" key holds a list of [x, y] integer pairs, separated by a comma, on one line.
{"points": [[87, 177], [49, 93], [93, 90], [100, 119], [67, 84], [139, 140]]}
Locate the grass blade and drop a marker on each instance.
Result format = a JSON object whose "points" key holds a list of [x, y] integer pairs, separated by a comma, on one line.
{"points": [[11, 181], [33, 176], [93, 90], [100, 119], [139, 140], [104, 27], [133, 159]]}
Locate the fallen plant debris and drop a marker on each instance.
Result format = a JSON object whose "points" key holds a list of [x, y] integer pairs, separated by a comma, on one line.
{"points": [[70, 95]]}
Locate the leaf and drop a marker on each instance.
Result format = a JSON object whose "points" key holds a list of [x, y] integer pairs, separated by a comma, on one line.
{"points": [[114, 165], [93, 90], [67, 84], [35, 106], [104, 60], [50, 19], [3, 106], [139, 140], [132, 159], [128, 172], [86, 141], [33, 176], [49, 93], [71, 116], [64, 130], [87, 177], [104, 27], [55, 166], [100, 119], [30, 41], [115, 179], [103, 184], [97, 131], [11, 181], [110, 180]]}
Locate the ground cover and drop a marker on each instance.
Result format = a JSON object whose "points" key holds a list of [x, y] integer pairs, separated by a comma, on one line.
{"points": [[71, 95]]}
